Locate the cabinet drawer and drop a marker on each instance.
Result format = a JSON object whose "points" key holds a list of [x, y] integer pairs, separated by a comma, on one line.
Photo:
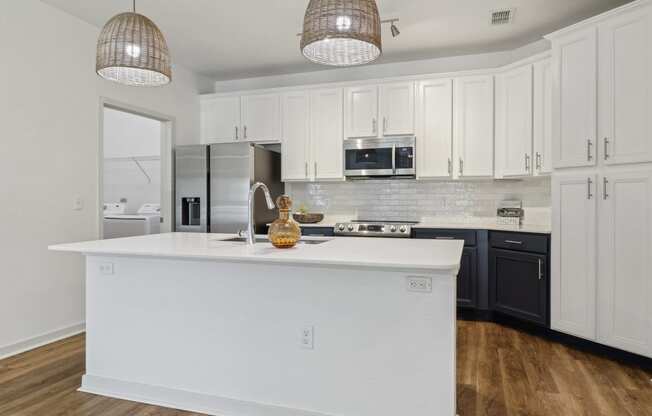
{"points": [[317, 231], [519, 242], [468, 236]]}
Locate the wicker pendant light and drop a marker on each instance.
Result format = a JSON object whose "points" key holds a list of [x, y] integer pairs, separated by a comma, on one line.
{"points": [[131, 50], [341, 32]]}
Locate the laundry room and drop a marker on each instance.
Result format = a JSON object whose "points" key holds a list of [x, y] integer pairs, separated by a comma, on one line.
{"points": [[131, 174]]}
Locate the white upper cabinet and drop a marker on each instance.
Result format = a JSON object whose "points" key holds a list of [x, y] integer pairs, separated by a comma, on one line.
{"points": [[326, 133], [574, 99], [625, 105], [473, 127], [220, 119], [542, 127], [361, 111], [435, 129], [625, 281], [397, 109], [514, 122], [296, 136], [573, 271], [261, 117]]}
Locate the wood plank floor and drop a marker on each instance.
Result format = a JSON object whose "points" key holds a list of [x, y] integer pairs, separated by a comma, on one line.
{"points": [[501, 372]]}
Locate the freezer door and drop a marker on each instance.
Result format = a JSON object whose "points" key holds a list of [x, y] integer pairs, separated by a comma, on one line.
{"points": [[230, 179], [191, 188]]}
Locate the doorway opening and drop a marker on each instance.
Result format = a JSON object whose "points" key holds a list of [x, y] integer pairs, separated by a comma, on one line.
{"points": [[135, 172]]}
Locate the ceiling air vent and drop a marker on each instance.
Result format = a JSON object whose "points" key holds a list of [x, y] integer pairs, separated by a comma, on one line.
{"points": [[502, 17]]}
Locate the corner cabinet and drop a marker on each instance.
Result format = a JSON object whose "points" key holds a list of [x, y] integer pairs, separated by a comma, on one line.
{"points": [[473, 127], [379, 110], [435, 129]]}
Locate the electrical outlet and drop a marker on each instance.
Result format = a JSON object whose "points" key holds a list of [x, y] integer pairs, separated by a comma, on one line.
{"points": [[106, 268], [308, 337], [419, 284]]}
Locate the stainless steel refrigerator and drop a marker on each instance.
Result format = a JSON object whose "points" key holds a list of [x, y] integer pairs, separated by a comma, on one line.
{"points": [[212, 186]]}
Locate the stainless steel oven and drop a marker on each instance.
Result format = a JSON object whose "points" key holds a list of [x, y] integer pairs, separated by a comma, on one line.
{"points": [[386, 157]]}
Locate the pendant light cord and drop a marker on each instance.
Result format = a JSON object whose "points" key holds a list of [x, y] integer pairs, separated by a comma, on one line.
{"points": [[134, 7]]}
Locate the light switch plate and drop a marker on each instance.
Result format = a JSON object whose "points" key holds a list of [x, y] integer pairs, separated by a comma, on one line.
{"points": [[78, 203], [421, 284]]}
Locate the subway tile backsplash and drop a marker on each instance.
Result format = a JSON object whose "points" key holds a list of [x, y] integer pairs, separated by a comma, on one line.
{"points": [[414, 200]]}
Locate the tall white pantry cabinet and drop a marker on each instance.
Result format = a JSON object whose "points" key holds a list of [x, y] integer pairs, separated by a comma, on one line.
{"points": [[602, 184]]}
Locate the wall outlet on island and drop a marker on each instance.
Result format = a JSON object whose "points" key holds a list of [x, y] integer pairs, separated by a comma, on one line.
{"points": [[106, 268], [308, 337], [419, 284]]}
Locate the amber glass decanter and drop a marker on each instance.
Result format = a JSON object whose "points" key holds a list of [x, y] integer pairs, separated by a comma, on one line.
{"points": [[284, 232]]}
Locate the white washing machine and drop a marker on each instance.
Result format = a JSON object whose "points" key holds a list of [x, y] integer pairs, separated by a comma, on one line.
{"points": [[117, 224]]}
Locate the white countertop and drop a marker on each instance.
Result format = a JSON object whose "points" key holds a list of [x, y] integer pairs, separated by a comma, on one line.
{"points": [[375, 253]]}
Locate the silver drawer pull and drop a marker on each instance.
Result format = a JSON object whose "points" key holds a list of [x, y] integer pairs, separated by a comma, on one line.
{"points": [[444, 238], [513, 242]]}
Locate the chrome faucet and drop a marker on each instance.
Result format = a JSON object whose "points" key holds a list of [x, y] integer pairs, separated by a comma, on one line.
{"points": [[251, 233]]}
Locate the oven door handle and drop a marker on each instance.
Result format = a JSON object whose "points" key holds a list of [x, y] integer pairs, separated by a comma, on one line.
{"points": [[394, 158]]}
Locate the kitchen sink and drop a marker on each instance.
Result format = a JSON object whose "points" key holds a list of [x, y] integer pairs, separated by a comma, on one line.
{"points": [[266, 240]]}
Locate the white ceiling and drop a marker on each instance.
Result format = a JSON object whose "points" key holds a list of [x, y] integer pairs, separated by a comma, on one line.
{"points": [[247, 38]]}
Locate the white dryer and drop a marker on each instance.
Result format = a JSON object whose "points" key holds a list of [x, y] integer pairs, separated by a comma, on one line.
{"points": [[117, 224]]}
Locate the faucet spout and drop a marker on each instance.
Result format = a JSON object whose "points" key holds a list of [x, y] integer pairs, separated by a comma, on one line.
{"points": [[251, 232]]}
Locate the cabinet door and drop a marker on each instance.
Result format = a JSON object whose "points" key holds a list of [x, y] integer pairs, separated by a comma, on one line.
{"points": [[474, 126], [626, 88], [361, 111], [326, 133], [220, 119], [519, 285], [435, 129], [261, 117], [573, 285], [467, 279], [625, 277], [397, 108], [574, 99], [514, 123], [296, 136], [542, 117]]}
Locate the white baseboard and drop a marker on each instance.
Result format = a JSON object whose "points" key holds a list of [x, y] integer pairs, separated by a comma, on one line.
{"points": [[183, 400], [41, 340]]}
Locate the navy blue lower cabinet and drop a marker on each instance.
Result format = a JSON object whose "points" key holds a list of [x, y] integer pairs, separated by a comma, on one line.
{"points": [[518, 284], [467, 281], [318, 231]]}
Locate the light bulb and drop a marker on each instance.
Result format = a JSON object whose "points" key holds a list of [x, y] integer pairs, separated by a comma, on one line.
{"points": [[132, 50], [343, 23]]}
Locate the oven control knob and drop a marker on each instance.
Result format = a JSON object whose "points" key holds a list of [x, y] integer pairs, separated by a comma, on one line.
{"points": [[350, 227], [403, 229], [341, 227], [392, 228]]}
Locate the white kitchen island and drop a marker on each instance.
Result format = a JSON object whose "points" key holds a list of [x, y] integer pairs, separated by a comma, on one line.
{"points": [[349, 327]]}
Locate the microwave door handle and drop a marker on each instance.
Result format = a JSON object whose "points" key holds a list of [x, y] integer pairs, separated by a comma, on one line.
{"points": [[394, 159]]}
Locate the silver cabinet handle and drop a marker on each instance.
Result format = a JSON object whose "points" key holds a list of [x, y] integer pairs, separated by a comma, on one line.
{"points": [[450, 166], [374, 126], [384, 124], [461, 167], [306, 170], [245, 132], [538, 161], [589, 182], [606, 148], [527, 163], [315, 169], [540, 272], [605, 182], [394, 158], [589, 154], [236, 132], [444, 238], [513, 242]]}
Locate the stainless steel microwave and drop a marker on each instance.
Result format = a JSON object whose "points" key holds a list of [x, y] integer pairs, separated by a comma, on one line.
{"points": [[386, 157]]}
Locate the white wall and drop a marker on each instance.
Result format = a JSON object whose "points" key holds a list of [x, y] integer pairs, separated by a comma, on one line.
{"points": [[130, 135], [49, 131], [396, 69]]}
